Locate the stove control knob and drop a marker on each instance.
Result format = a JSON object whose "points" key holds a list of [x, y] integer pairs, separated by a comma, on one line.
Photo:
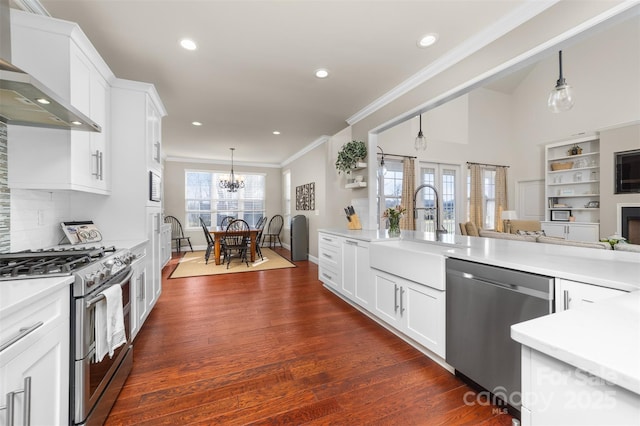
{"points": [[89, 279]]}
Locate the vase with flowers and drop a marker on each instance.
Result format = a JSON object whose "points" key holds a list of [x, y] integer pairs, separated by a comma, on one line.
{"points": [[393, 214]]}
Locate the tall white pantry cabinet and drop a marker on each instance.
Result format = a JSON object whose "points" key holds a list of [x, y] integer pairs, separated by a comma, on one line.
{"points": [[137, 113]]}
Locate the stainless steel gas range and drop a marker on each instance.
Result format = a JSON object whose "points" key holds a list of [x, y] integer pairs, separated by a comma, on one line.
{"points": [[94, 385]]}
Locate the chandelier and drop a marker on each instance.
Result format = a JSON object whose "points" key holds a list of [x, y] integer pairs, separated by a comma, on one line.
{"points": [[231, 184]]}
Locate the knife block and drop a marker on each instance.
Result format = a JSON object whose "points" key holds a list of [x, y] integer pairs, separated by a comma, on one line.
{"points": [[354, 223]]}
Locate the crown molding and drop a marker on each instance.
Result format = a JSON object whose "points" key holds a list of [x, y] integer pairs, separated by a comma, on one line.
{"points": [[470, 46], [313, 145], [223, 162]]}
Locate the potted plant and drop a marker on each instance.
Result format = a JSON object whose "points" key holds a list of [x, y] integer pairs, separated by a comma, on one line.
{"points": [[349, 155]]}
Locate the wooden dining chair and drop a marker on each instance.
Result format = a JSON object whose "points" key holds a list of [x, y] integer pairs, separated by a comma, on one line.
{"points": [[226, 221], [236, 240], [208, 239], [260, 227], [177, 234], [273, 231]]}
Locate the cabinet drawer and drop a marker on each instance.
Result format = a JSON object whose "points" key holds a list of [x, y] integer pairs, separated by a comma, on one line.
{"points": [[329, 276], [25, 325], [329, 240], [330, 256]]}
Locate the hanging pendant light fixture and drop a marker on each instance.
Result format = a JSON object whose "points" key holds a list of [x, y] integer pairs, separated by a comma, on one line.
{"points": [[561, 97], [231, 184], [382, 170], [421, 141]]}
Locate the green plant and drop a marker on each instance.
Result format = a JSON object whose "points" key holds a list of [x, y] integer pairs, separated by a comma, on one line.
{"points": [[349, 155]]}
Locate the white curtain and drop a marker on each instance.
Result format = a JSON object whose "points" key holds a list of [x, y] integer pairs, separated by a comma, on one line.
{"points": [[408, 188]]}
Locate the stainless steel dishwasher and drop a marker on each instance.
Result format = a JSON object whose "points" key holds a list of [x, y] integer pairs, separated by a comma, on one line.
{"points": [[482, 303]]}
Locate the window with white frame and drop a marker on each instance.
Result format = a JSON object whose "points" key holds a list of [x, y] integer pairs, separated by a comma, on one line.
{"points": [[488, 196], [391, 183], [205, 199], [445, 178], [286, 196]]}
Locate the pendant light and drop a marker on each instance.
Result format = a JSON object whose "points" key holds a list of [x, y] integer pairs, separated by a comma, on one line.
{"points": [[421, 141], [382, 170], [561, 97], [231, 184]]}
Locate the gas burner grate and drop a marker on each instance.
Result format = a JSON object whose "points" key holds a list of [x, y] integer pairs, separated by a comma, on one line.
{"points": [[50, 262]]}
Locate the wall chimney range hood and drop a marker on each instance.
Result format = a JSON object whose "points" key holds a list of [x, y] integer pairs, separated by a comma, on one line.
{"points": [[27, 102]]}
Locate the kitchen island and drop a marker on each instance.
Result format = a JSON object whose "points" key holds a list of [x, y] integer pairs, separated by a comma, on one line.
{"points": [[582, 275]]}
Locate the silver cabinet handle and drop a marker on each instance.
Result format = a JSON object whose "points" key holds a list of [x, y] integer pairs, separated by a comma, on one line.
{"points": [[327, 239], [395, 298], [351, 243], [101, 166], [142, 279], [21, 334], [157, 156], [401, 303], [26, 409], [327, 256], [567, 299], [97, 157]]}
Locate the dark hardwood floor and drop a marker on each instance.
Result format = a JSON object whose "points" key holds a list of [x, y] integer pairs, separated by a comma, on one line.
{"points": [[277, 348]]}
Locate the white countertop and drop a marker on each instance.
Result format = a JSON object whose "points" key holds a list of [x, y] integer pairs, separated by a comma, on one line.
{"points": [[607, 268], [602, 338], [16, 294]]}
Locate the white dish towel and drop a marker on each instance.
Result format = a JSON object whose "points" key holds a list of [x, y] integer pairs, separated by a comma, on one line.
{"points": [[109, 322]]}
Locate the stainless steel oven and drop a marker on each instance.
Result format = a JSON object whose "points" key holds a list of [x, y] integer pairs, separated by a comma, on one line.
{"points": [[94, 386], [96, 383]]}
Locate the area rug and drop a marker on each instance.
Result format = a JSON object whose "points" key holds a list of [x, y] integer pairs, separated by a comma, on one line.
{"points": [[192, 264]]}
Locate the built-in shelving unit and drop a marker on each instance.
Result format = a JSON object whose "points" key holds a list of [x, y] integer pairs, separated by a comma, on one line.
{"points": [[572, 182]]}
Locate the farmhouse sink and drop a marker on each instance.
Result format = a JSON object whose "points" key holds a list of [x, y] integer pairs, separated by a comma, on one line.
{"points": [[420, 262]]}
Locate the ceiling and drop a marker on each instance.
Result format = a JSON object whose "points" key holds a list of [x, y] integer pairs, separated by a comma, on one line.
{"points": [[253, 71]]}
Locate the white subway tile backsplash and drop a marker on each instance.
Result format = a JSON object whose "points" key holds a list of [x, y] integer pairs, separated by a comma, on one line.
{"points": [[36, 217]]}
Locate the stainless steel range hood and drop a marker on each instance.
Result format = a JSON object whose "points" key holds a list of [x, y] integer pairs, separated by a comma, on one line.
{"points": [[27, 102]]}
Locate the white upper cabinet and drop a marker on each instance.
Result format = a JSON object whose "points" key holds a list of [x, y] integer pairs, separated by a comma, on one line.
{"points": [[59, 55]]}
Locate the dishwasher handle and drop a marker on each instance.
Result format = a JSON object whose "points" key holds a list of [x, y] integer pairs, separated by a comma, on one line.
{"points": [[507, 286]]}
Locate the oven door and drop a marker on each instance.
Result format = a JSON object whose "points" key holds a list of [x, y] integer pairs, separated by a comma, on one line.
{"points": [[91, 377]]}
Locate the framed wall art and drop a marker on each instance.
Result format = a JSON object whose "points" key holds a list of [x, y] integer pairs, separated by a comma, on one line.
{"points": [[306, 196]]}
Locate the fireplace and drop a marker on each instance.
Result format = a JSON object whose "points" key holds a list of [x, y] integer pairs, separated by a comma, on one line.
{"points": [[629, 222]]}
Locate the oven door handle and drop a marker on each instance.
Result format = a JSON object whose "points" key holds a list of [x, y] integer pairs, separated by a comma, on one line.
{"points": [[100, 296]]}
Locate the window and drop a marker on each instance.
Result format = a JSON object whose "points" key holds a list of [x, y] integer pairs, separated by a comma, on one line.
{"points": [[286, 196], [488, 197], [391, 182], [205, 199], [445, 178]]}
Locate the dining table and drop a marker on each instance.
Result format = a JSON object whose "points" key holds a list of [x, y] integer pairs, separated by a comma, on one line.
{"points": [[220, 232]]}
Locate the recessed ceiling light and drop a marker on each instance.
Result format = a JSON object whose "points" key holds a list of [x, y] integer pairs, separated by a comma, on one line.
{"points": [[76, 123], [322, 73], [196, 123], [43, 101], [188, 44], [428, 40], [275, 132]]}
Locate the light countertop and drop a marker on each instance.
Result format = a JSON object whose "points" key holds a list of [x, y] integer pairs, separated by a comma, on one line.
{"points": [[607, 268], [17, 294], [602, 338]]}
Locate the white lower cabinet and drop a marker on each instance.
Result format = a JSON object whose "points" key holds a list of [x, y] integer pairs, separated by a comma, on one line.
{"points": [[138, 287], [330, 260], [34, 370], [414, 309], [356, 273], [572, 294], [557, 393], [585, 232]]}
